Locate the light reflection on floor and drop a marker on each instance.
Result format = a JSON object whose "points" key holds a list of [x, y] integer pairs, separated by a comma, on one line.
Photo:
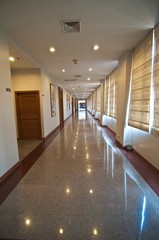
{"points": [[81, 187]]}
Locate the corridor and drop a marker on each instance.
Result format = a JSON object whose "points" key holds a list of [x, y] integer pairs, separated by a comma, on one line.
{"points": [[81, 188]]}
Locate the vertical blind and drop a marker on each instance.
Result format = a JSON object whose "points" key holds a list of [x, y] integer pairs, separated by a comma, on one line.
{"points": [[155, 124], [139, 115], [99, 99]]}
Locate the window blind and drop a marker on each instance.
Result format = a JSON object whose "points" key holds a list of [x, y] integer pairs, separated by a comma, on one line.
{"points": [[99, 99], [115, 98], [107, 95], [112, 94], [155, 124], [93, 101], [139, 114]]}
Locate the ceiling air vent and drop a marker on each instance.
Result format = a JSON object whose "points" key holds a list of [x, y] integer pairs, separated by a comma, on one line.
{"points": [[71, 26], [70, 80], [78, 76]]}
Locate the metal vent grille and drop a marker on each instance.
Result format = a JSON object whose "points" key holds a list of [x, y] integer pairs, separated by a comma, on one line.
{"points": [[71, 26], [70, 80], [78, 76]]}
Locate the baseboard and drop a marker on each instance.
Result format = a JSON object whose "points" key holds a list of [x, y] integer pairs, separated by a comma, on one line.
{"points": [[6, 175], [119, 145], [146, 161]]}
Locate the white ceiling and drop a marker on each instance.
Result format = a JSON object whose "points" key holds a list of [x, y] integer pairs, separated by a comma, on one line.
{"points": [[115, 25]]}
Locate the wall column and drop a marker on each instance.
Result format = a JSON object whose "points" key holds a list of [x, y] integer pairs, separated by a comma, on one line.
{"points": [[124, 74]]}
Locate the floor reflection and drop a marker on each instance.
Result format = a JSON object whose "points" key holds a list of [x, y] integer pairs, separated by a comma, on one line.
{"points": [[81, 187], [82, 115]]}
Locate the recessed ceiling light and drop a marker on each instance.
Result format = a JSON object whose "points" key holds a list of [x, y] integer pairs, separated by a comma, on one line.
{"points": [[95, 231], [61, 231], [52, 49], [96, 47], [88, 79], [12, 59], [63, 70], [27, 221], [90, 69], [91, 191]]}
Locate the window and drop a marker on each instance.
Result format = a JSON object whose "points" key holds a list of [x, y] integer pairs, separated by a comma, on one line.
{"points": [[155, 84], [99, 99], [139, 115], [107, 97], [111, 94]]}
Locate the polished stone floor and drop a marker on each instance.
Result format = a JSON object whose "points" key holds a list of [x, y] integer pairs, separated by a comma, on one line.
{"points": [[26, 146], [81, 187]]}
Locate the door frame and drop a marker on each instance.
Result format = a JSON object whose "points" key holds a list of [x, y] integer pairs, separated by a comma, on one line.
{"points": [[17, 111]]}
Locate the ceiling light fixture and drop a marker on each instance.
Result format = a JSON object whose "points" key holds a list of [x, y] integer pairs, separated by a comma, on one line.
{"points": [[90, 69], [95, 231], [61, 231], [52, 49], [12, 59], [63, 70], [88, 79], [96, 47]]}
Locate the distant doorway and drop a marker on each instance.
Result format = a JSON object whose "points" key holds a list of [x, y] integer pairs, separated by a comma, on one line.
{"points": [[61, 105], [81, 105], [28, 114]]}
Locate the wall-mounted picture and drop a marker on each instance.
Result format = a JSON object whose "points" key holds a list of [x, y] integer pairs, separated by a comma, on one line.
{"points": [[52, 100], [67, 101]]}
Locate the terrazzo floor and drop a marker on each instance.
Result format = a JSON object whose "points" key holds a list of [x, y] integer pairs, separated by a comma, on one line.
{"points": [[80, 188], [26, 146]]}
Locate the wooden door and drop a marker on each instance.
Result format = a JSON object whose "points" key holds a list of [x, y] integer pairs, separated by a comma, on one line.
{"points": [[28, 114], [61, 105]]}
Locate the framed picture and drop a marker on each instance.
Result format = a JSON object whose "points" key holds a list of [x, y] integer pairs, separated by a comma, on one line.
{"points": [[52, 100], [67, 101]]}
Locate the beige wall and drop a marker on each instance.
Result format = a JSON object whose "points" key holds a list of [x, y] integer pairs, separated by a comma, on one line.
{"points": [[26, 80], [124, 75], [8, 142]]}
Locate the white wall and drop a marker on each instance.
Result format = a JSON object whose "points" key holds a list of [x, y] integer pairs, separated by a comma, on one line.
{"points": [[8, 142], [109, 122], [67, 112], [26, 80], [145, 144], [50, 123]]}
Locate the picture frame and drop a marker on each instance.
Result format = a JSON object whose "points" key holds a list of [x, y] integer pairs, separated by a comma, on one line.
{"points": [[52, 100]]}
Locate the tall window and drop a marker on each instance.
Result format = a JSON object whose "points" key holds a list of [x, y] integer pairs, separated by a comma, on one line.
{"points": [[115, 97], [99, 99], [94, 96], [111, 95], [139, 115], [155, 87], [107, 96]]}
